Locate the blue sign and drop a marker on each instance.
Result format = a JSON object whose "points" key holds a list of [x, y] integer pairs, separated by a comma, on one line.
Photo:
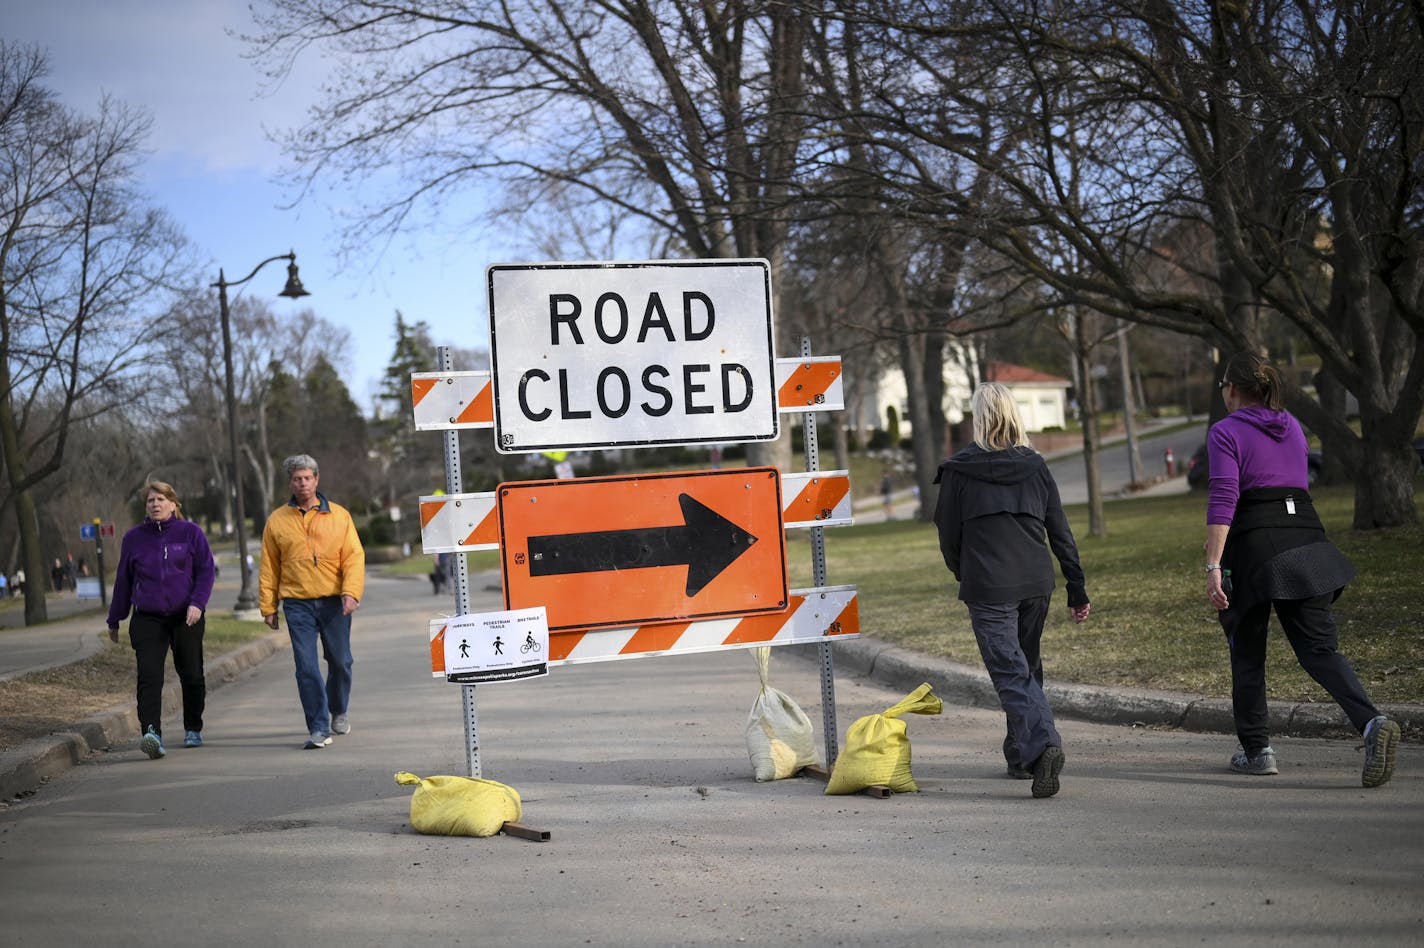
{"points": [[88, 531]]}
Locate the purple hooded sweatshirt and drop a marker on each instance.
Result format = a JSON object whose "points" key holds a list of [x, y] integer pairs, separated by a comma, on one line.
{"points": [[1253, 447], [164, 567]]}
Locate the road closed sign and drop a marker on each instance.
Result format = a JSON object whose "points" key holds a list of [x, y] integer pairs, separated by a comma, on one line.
{"points": [[602, 355], [604, 552]]}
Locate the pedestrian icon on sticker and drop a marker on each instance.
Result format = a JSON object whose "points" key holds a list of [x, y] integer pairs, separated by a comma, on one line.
{"points": [[464, 648], [498, 645]]}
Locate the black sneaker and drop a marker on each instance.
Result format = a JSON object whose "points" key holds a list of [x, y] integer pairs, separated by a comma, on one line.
{"points": [[1019, 773], [1381, 738], [1045, 772]]}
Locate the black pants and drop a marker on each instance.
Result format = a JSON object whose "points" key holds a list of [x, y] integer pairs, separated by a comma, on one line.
{"points": [[1009, 635], [1310, 628], [151, 635]]}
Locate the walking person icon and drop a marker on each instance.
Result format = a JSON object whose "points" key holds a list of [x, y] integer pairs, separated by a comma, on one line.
{"points": [[498, 645], [464, 648]]}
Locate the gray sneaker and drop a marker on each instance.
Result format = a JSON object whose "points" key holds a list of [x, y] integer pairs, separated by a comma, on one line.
{"points": [[1259, 764], [1381, 738], [1045, 772], [341, 724], [316, 741]]}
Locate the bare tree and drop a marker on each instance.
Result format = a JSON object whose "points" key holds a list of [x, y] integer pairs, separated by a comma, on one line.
{"points": [[82, 261], [1287, 131], [685, 116]]}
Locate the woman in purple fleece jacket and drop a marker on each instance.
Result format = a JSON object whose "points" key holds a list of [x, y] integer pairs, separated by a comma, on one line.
{"points": [[165, 576], [1265, 549]]}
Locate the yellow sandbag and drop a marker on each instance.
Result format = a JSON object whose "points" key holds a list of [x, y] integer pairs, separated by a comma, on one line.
{"points": [[779, 737], [460, 806], [877, 747]]}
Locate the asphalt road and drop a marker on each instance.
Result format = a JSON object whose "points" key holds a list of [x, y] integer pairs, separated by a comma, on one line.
{"points": [[660, 836], [1115, 473]]}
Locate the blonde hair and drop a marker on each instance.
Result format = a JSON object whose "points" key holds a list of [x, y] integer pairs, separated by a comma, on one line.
{"points": [[997, 423], [166, 489]]}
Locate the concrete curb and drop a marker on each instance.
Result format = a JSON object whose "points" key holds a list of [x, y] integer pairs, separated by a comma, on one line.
{"points": [[902, 670], [25, 767]]}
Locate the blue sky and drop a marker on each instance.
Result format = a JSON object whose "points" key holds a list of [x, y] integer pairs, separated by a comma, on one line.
{"points": [[213, 168]]}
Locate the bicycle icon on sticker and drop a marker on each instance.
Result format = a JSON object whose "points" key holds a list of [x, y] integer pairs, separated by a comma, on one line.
{"points": [[529, 644]]}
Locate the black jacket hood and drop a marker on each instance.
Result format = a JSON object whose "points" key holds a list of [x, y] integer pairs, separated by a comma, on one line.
{"points": [[1009, 466]]}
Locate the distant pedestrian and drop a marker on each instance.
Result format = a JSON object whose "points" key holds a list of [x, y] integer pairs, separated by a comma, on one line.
{"points": [[440, 573], [20, 582], [313, 564], [4, 587], [56, 575], [998, 516], [887, 493], [165, 575], [1266, 549]]}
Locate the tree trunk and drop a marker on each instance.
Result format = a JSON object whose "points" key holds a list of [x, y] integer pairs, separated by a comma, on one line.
{"points": [[32, 555], [1385, 499], [1092, 438], [912, 360], [26, 520], [1335, 466]]}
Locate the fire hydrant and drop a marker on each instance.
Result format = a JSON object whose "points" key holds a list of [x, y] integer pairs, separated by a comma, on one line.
{"points": [[1170, 461]]}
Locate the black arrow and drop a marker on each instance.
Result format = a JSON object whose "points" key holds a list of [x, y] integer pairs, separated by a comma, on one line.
{"points": [[706, 544]]}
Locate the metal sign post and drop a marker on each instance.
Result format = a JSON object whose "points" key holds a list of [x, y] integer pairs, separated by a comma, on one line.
{"points": [[454, 484], [818, 578]]}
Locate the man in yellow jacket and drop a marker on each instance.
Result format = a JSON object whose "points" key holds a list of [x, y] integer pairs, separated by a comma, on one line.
{"points": [[313, 564]]}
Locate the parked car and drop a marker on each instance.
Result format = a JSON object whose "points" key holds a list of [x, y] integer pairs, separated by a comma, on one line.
{"points": [[1197, 473]]}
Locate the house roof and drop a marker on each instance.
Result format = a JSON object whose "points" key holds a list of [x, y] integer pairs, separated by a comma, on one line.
{"points": [[1009, 374]]}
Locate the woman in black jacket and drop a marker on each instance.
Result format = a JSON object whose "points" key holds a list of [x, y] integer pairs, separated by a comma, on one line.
{"points": [[997, 505]]}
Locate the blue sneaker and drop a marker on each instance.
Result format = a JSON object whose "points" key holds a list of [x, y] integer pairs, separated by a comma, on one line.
{"points": [[1381, 738], [316, 741], [151, 744], [192, 739]]}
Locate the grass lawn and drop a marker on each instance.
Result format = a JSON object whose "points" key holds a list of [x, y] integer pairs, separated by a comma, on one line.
{"points": [[1151, 625]]}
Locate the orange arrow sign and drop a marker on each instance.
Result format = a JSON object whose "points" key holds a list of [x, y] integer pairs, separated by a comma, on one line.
{"points": [[628, 550]]}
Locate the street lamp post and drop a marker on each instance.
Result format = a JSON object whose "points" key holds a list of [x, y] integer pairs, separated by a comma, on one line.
{"points": [[246, 601]]}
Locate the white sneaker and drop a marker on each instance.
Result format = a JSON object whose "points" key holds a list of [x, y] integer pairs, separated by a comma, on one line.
{"points": [[316, 741]]}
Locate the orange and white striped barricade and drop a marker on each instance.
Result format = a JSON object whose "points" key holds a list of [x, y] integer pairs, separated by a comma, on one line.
{"points": [[816, 499], [812, 383], [449, 401], [459, 523], [456, 523], [818, 614]]}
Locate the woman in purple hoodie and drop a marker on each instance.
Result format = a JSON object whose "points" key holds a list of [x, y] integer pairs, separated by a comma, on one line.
{"points": [[1266, 548], [165, 576]]}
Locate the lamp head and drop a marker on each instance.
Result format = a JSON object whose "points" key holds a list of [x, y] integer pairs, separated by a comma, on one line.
{"points": [[293, 289]]}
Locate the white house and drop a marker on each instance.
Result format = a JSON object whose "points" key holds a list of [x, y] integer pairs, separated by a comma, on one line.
{"points": [[1042, 398]]}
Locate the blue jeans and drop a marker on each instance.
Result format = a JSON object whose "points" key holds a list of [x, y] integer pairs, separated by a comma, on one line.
{"points": [[1008, 634], [310, 620]]}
